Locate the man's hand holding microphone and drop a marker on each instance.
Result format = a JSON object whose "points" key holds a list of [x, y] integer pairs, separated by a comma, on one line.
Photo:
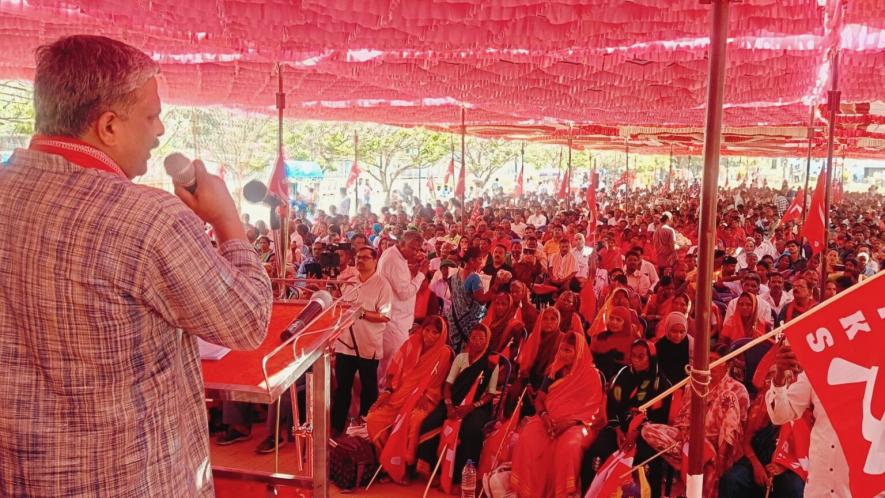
{"points": [[206, 194]]}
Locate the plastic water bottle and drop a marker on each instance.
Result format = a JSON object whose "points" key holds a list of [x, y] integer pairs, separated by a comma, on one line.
{"points": [[468, 480]]}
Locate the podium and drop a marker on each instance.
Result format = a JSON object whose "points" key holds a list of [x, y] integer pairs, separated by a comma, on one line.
{"points": [[267, 373]]}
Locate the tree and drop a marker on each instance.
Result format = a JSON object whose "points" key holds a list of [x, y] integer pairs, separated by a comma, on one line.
{"points": [[322, 142], [16, 109], [386, 153], [485, 157]]}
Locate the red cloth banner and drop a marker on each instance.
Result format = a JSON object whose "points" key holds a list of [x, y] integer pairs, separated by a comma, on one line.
{"points": [[794, 212], [813, 229], [840, 346], [279, 184], [354, 174]]}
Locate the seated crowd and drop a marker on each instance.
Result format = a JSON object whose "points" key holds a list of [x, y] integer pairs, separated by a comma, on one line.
{"points": [[537, 331]]}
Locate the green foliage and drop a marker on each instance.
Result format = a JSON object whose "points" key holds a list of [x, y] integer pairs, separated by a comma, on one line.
{"points": [[16, 109]]}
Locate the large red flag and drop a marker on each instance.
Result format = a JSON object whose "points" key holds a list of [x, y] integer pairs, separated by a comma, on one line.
{"points": [[794, 212], [354, 174], [519, 182], [392, 455], [459, 189], [279, 184], [839, 343], [448, 441], [813, 229], [563, 186]]}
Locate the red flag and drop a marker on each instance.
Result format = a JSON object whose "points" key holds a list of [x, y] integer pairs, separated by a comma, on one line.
{"points": [[450, 173], [448, 441], [392, 454], [564, 186], [793, 443], [593, 213], [279, 184], [813, 229], [430, 186], [837, 192], [354, 174], [839, 345], [608, 478], [519, 182], [459, 189], [794, 212]]}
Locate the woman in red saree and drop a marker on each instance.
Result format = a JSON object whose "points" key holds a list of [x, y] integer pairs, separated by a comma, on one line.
{"points": [[744, 322], [425, 354], [502, 319], [569, 318], [547, 456]]}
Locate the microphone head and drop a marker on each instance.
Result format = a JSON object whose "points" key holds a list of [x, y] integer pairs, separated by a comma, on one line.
{"points": [[323, 298], [181, 169], [255, 191]]}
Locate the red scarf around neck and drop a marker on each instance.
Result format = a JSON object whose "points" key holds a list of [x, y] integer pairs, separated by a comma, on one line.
{"points": [[76, 152]]}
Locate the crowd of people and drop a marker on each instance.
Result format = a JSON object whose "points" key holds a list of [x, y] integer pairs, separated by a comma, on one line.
{"points": [[567, 320]]}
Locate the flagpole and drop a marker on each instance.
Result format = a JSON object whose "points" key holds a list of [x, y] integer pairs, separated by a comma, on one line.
{"points": [[463, 172], [700, 372], [670, 171], [808, 164], [283, 244], [833, 97], [356, 186], [442, 455], [568, 176]]}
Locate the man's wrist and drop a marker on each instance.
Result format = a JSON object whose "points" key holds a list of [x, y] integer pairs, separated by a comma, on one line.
{"points": [[228, 230]]}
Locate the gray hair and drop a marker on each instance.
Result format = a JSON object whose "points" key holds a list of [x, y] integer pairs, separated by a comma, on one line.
{"points": [[80, 77]]}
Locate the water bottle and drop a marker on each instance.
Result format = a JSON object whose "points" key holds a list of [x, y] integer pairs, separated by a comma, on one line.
{"points": [[468, 480]]}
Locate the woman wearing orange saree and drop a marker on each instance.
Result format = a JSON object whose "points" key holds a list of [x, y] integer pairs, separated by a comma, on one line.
{"points": [[502, 319], [744, 322], [425, 354], [547, 456]]}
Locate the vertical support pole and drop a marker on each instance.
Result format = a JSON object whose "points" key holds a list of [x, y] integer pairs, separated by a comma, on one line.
{"points": [[833, 97], [283, 244], [808, 164], [356, 186], [464, 172], [707, 243], [320, 406], [670, 171], [568, 176]]}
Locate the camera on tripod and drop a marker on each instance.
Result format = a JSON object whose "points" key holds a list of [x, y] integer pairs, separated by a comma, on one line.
{"points": [[327, 264]]}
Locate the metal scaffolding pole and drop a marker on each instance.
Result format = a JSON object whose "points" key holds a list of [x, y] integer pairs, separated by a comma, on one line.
{"points": [[707, 230]]}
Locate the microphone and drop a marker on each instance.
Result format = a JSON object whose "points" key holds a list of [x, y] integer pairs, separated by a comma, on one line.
{"points": [[181, 169], [320, 302]]}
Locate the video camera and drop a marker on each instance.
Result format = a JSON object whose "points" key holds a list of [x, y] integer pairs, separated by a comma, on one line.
{"points": [[328, 263]]}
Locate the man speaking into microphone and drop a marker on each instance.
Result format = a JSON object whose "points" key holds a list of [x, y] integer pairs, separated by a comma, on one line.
{"points": [[105, 286]]}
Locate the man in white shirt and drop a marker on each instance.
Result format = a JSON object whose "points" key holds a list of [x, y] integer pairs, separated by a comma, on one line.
{"points": [[563, 266], [764, 247], [518, 226], [646, 267], [403, 266], [785, 402], [776, 298], [360, 348], [582, 256], [637, 280], [538, 219]]}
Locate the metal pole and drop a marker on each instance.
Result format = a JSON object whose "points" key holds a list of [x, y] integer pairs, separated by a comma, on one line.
{"points": [[833, 97], [707, 243], [283, 244], [670, 172], [568, 176], [464, 172], [808, 165], [356, 186]]}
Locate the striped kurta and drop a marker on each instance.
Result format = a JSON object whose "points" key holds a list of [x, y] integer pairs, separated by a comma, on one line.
{"points": [[104, 287]]}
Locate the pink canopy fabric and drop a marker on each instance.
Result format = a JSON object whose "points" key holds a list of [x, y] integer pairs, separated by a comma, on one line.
{"points": [[618, 71]]}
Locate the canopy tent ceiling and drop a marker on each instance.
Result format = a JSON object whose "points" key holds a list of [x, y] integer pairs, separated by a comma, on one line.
{"points": [[620, 72]]}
